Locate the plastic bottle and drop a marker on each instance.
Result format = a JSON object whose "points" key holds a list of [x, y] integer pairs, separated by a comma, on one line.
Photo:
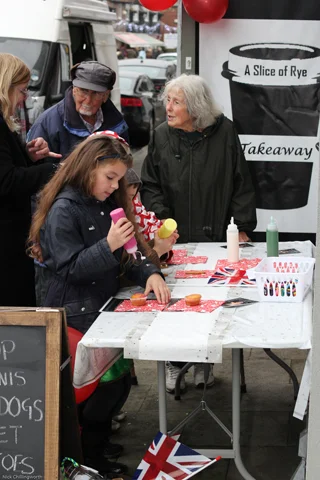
{"points": [[272, 239], [232, 242], [167, 228], [130, 246], [73, 471]]}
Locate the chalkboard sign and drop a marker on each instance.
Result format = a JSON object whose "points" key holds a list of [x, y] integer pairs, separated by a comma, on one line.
{"points": [[29, 394]]}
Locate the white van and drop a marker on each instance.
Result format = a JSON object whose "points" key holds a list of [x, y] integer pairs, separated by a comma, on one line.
{"points": [[52, 35]]}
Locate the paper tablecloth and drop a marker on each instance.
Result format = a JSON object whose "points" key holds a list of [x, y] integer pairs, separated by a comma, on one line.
{"points": [[199, 337]]}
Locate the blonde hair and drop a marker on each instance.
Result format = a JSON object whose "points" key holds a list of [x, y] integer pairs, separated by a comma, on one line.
{"points": [[12, 72]]}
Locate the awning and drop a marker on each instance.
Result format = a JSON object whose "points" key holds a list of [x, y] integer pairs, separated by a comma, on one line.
{"points": [[138, 39]]}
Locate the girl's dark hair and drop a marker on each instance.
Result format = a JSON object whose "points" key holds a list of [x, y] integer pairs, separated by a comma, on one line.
{"points": [[78, 170]]}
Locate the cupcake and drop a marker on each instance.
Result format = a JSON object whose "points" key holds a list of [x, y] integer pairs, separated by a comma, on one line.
{"points": [[193, 300], [138, 299]]}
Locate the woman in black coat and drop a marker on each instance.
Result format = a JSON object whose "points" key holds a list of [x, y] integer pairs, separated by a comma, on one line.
{"points": [[20, 178]]}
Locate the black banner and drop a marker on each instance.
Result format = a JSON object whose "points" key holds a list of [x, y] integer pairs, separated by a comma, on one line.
{"points": [[275, 10], [263, 65]]}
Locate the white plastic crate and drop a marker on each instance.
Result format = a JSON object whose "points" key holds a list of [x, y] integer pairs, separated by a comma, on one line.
{"points": [[283, 279]]}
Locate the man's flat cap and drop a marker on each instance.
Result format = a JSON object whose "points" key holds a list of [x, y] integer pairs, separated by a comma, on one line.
{"points": [[93, 76]]}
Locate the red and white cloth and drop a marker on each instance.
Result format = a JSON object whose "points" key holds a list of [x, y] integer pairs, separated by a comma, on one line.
{"points": [[147, 221], [205, 306], [150, 306]]}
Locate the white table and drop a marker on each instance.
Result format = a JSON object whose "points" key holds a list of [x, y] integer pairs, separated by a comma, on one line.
{"points": [[199, 337]]}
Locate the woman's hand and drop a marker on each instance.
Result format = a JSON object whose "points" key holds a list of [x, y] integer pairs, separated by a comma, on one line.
{"points": [[38, 149], [120, 233], [161, 290], [164, 245], [243, 237]]}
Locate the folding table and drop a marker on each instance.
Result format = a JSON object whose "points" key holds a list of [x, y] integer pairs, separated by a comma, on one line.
{"points": [[199, 337]]}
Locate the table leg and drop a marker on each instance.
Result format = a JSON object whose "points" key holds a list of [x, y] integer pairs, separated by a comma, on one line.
{"points": [[162, 397], [286, 367], [236, 414]]}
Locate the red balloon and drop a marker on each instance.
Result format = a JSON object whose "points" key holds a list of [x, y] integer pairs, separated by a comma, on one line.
{"points": [[206, 11], [157, 5], [74, 336]]}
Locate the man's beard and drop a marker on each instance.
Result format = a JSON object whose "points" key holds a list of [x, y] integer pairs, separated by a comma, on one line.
{"points": [[87, 112]]}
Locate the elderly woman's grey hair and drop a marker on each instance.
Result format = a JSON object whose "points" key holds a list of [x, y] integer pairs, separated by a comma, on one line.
{"points": [[198, 97]]}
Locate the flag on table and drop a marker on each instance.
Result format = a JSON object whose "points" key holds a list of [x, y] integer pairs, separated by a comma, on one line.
{"points": [[167, 459], [231, 277]]}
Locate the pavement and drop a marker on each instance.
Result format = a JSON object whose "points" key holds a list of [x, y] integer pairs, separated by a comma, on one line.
{"points": [[269, 432], [139, 154]]}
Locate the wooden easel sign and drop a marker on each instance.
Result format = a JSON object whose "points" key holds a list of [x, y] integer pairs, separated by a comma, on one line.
{"points": [[30, 343]]}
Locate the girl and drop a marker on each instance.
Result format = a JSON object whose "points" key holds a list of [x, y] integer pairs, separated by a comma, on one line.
{"points": [[83, 251], [148, 223]]}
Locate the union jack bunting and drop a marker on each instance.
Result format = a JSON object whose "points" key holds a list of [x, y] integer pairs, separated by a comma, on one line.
{"points": [[167, 459], [230, 277]]}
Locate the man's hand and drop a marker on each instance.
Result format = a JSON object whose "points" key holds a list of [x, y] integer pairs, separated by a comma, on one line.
{"points": [[38, 149], [156, 284]]}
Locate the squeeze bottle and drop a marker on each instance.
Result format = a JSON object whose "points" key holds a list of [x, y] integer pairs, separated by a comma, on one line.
{"points": [[232, 242], [272, 239], [130, 246], [167, 228]]}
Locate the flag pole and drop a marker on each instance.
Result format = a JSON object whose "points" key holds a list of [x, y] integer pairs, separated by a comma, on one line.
{"points": [[204, 466]]}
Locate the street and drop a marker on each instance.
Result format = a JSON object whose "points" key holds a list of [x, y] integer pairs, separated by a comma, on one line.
{"points": [[139, 155]]}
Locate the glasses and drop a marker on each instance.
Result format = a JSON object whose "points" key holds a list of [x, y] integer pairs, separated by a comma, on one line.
{"points": [[25, 92], [83, 93]]}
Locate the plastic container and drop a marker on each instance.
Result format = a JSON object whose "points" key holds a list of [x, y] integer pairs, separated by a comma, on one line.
{"points": [[285, 279], [232, 242], [130, 246], [138, 299], [272, 235], [73, 471], [193, 299], [167, 228]]}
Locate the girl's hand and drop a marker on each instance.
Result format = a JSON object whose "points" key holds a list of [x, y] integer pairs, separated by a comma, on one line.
{"points": [[38, 149], [164, 245], [120, 233], [161, 290]]}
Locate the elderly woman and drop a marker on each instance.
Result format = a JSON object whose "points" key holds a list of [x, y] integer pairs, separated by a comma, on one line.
{"points": [[20, 177], [196, 173]]}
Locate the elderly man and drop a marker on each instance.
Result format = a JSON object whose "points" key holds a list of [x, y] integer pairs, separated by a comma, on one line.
{"points": [[85, 109]]}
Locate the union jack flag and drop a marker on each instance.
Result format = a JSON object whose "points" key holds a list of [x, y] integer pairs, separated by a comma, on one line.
{"points": [[231, 277], [167, 459]]}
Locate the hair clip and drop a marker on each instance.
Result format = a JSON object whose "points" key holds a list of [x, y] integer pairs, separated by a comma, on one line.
{"points": [[110, 133], [105, 157]]}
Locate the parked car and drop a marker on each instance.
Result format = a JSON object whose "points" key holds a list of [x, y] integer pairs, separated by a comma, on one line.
{"points": [[168, 57], [158, 70], [141, 106]]}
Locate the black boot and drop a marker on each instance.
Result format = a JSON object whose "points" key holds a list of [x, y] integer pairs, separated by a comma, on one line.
{"points": [[104, 466], [94, 446], [112, 450]]}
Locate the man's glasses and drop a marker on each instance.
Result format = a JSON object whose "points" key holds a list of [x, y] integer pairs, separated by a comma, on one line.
{"points": [[83, 93]]}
